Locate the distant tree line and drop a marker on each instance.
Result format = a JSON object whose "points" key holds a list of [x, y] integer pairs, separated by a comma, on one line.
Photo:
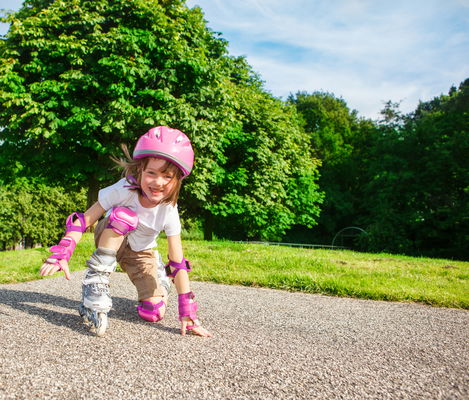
{"points": [[79, 78], [403, 179]]}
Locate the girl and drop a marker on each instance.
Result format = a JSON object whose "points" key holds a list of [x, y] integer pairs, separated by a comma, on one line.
{"points": [[138, 208]]}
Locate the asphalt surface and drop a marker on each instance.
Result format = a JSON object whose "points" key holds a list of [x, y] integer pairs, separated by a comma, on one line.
{"points": [[267, 344]]}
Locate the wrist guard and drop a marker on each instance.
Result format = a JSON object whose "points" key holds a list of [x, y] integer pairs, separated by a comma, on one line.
{"points": [[188, 309], [66, 246], [62, 251]]}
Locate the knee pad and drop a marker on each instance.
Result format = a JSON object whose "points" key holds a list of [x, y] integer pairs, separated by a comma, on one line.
{"points": [[122, 220], [149, 311]]}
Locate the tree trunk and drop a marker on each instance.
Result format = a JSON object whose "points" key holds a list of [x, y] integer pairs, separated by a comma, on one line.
{"points": [[93, 189], [208, 226]]}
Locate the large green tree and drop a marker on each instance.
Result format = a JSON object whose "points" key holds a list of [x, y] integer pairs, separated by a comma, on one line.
{"points": [[257, 177], [78, 78], [266, 180]]}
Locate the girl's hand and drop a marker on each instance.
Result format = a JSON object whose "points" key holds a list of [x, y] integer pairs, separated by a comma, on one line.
{"points": [[198, 330], [51, 269]]}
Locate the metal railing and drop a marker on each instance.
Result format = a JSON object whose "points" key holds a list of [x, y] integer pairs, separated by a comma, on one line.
{"points": [[304, 245]]}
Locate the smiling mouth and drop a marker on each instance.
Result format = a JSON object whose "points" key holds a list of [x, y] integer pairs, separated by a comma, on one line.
{"points": [[156, 191]]}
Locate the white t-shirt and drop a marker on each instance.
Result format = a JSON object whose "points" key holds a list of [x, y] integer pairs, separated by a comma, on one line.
{"points": [[151, 221]]}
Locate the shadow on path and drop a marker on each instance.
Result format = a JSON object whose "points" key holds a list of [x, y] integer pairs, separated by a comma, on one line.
{"points": [[30, 302]]}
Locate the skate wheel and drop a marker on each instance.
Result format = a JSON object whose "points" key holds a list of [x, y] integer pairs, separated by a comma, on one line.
{"points": [[86, 321], [102, 324], [84, 316]]}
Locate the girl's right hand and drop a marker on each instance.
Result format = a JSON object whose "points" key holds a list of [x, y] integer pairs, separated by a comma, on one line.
{"points": [[198, 330], [51, 269]]}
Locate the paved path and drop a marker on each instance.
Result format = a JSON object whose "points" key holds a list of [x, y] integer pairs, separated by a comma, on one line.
{"points": [[268, 344]]}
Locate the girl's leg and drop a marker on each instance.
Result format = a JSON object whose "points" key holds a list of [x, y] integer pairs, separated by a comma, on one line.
{"points": [[96, 298], [142, 269], [110, 240], [156, 310]]}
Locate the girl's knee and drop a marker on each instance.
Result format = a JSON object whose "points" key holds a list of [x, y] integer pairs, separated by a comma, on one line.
{"points": [[152, 309]]}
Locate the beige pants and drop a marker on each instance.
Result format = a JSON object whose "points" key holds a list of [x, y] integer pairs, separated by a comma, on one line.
{"points": [[140, 266]]}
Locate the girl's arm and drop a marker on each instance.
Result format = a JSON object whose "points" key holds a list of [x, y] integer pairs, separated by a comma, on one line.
{"points": [[175, 253], [182, 283], [91, 216]]}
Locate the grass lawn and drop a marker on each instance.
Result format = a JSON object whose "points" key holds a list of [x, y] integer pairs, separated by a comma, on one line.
{"points": [[437, 282]]}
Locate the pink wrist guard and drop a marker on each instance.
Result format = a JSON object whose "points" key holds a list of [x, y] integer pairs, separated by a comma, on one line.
{"points": [[62, 251], [66, 246], [188, 309], [184, 264]]}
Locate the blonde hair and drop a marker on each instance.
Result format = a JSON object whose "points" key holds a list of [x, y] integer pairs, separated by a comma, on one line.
{"points": [[134, 168]]}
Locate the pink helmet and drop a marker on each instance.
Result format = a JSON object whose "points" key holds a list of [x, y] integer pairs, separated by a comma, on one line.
{"points": [[169, 144]]}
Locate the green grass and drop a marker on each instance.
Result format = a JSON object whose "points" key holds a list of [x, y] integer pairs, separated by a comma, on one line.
{"points": [[23, 265], [438, 282]]}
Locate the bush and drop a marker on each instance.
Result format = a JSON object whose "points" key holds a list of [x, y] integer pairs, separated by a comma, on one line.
{"points": [[34, 213]]}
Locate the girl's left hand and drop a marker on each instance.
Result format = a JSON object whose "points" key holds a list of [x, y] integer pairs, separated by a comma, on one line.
{"points": [[51, 269], [198, 330]]}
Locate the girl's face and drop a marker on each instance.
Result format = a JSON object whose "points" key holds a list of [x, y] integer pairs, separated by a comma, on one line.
{"points": [[157, 181]]}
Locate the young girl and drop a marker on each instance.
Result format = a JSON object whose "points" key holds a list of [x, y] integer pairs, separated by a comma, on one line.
{"points": [[138, 208]]}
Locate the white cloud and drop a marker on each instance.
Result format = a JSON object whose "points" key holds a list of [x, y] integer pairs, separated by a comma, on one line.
{"points": [[354, 88], [367, 51]]}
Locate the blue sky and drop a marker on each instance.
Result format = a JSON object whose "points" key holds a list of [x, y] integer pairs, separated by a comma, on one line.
{"points": [[365, 51]]}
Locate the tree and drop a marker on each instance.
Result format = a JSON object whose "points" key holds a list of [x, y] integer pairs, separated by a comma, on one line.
{"points": [[78, 78], [263, 176], [270, 168], [341, 141], [420, 180], [27, 204]]}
